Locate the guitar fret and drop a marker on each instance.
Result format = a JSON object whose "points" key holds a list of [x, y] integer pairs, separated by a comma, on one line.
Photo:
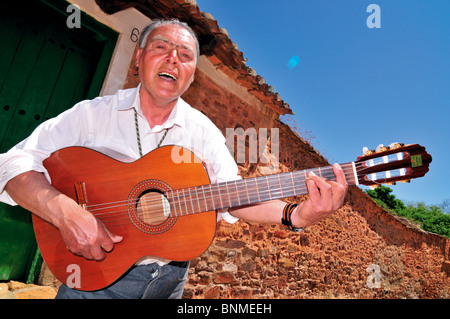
{"points": [[292, 188], [237, 200], [254, 189], [299, 183], [198, 202], [204, 197], [237, 193], [246, 191], [212, 198], [190, 198], [293, 184], [170, 198], [276, 182], [180, 213], [262, 193], [268, 188], [174, 206], [220, 196], [243, 194], [279, 183], [289, 191], [179, 203], [185, 204], [228, 193], [233, 194], [270, 191], [257, 191]]}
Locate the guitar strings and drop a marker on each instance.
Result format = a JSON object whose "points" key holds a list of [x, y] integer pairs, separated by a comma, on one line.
{"points": [[214, 186], [275, 192], [158, 213], [212, 189], [323, 170]]}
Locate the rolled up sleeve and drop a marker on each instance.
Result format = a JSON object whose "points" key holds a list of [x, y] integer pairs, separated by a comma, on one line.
{"points": [[14, 163]]}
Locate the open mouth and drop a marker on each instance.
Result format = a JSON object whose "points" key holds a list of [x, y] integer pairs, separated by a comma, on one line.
{"points": [[168, 76]]}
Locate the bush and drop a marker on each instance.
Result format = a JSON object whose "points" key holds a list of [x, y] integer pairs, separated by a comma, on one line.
{"points": [[382, 195], [430, 218]]}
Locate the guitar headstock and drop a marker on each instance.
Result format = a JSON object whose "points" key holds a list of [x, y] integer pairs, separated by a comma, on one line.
{"points": [[390, 164]]}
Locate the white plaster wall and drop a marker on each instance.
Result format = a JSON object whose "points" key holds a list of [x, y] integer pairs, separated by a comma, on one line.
{"points": [[123, 22]]}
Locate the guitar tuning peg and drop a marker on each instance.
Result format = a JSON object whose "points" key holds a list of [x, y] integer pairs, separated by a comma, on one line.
{"points": [[366, 151], [391, 183], [381, 148], [378, 149], [406, 181], [396, 145]]}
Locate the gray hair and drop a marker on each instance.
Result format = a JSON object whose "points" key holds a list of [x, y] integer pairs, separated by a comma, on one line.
{"points": [[159, 23]]}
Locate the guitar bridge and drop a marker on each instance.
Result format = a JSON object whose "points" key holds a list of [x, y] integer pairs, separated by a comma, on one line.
{"points": [[80, 191]]}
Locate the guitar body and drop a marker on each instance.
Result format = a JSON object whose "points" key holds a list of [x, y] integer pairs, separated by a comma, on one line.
{"points": [[113, 191]]}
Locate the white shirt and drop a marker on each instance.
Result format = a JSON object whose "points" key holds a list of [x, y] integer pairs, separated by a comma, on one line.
{"points": [[107, 124]]}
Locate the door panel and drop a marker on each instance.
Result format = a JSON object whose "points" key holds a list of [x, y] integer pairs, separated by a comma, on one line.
{"points": [[16, 78], [32, 101], [45, 68]]}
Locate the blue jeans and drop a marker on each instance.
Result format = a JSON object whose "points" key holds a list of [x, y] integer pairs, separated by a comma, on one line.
{"points": [[141, 282]]}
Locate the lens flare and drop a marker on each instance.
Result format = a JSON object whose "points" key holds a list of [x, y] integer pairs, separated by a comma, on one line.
{"points": [[293, 62]]}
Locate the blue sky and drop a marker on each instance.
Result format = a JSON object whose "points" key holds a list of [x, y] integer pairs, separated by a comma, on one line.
{"points": [[352, 86]]}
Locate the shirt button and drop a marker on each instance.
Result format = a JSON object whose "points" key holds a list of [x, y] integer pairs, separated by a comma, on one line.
{"points": [[154, 272]]}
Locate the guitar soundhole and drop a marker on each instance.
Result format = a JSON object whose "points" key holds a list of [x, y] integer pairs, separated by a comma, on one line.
{"points": [[153, 208], [149, 208]]}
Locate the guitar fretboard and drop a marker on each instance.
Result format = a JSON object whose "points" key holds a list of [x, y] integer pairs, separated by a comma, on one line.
{"points": [[248, 191]]}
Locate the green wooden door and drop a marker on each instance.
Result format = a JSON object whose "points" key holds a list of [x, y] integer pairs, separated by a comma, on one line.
{"points": [[45, 68]]}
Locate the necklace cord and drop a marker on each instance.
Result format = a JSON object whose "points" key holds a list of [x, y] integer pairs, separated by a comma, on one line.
{"points": [[136, 123]]}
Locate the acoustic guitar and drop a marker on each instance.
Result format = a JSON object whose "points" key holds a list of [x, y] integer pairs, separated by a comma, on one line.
{"points": [[166, 207]]}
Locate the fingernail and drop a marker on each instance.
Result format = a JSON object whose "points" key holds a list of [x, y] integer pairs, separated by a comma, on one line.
{"points": [[312, 173]]}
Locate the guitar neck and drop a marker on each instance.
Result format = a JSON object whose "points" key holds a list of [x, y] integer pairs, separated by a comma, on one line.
{"points": [[248, 191]]}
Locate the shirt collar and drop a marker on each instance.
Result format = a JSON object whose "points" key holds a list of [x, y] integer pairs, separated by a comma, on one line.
{"points": [[131, 100]]}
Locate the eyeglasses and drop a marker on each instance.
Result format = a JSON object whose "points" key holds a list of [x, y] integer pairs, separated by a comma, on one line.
{"points": [[163, 46]]}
